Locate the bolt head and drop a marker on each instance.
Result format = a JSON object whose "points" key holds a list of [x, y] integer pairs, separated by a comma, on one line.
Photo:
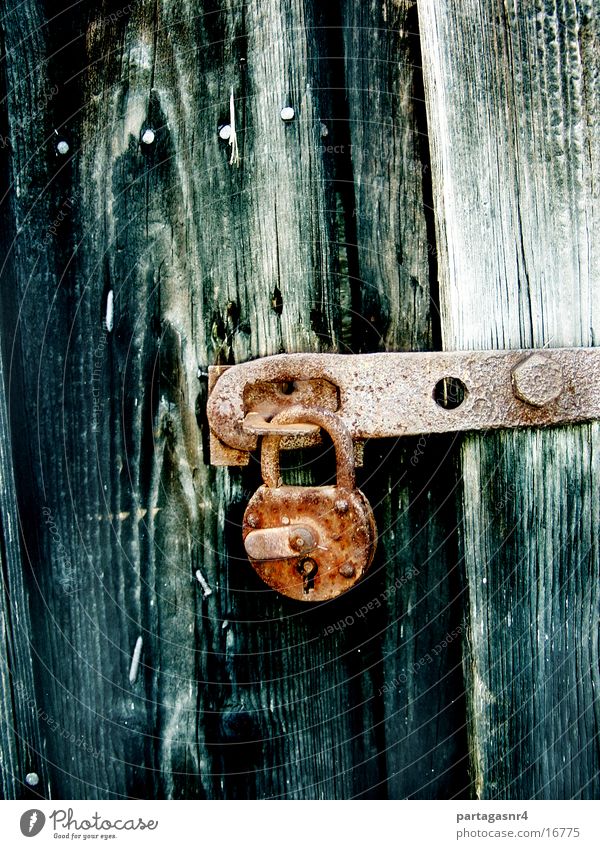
{"points": [[148, 136], [301, 539], [537, 380], [297, 543], [347, 570], [341, 505], [287, 113]]}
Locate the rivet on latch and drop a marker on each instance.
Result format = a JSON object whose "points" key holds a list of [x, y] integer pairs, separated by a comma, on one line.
{"points": [[301, 539], [347, 570]]}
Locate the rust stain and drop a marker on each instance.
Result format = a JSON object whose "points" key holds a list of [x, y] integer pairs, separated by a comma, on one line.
{"points": [[310, 543], [345, 542], [394, 394]]}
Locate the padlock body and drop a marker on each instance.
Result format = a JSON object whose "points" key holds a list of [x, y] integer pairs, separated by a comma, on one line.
{"points": [[290, 530]]}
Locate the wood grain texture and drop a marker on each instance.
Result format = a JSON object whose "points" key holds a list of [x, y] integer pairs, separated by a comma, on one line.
{"points": [[21, 753], [391, 180], [513, 104], [31, 716], [412, 483], [130, 267], [134, 266]]}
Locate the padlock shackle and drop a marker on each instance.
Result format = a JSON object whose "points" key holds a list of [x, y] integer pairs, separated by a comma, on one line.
{"points": [[329, 422]]}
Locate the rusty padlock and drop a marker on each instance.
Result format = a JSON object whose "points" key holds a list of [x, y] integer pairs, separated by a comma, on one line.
{"points": [[310, 543]]}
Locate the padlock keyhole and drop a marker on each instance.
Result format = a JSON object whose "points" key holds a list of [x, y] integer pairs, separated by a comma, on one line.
{"points": [[308, 568]]}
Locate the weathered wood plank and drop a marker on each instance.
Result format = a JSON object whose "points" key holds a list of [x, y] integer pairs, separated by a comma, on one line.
{"points": [[21, 753], [390, 171], [200, 261], [513, 104], [262, 280], [412, 483], [34, 194], [182, 259]]}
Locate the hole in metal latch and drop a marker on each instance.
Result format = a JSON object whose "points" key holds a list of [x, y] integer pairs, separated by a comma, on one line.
{"points": [[287, 387], [449, 393]]}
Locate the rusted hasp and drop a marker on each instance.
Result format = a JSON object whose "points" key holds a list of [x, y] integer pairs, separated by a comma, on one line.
{"points": [[402, 394]]}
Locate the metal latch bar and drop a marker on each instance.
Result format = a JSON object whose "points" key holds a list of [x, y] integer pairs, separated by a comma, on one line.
{"points": [[401, 394]]}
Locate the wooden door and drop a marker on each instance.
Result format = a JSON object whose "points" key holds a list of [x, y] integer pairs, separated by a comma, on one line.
{"points": [[436, 186]]}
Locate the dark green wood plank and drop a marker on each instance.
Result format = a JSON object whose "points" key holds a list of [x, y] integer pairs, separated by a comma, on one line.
{"points": [[412, 484], [23, 772], [200, 261]]}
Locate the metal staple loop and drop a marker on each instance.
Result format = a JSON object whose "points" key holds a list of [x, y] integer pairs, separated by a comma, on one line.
{"points": [[328, 421]]}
